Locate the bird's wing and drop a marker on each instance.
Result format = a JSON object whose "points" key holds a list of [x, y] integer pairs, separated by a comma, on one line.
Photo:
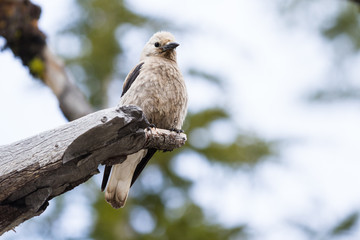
{"points": [[130, 79], [107, 172], [142, 164]]}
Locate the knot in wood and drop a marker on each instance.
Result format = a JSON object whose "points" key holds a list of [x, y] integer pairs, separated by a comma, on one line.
{"points": [[104, 119]]}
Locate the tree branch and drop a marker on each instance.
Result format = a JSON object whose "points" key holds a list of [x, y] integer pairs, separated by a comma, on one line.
{"points": [[37, 169], [18, 25]]}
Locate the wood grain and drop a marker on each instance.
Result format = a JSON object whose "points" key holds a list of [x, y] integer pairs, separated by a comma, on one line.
{"points": [[37, 169]]}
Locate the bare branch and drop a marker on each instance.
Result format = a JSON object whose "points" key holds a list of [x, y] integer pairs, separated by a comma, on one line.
{"points": [[35, 170], [18, 25], [72, 102]]}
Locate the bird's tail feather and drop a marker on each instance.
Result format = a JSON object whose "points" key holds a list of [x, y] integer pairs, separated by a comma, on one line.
{"points": [[120, 180]]}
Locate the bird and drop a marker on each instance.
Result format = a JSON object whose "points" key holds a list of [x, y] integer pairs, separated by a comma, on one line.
{"points": [[157, 86]]}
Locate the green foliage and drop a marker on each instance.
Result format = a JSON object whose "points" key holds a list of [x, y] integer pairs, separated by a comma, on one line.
{"points": [[187, 220], [342, 33], [346, 225], [37, 67], [167, 208], [347, 24], [209, 77], [95, 27], [245, 149], [204, 118], [343, 228], [344, 26]]}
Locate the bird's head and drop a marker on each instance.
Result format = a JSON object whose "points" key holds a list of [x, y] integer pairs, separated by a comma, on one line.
{"points": [[161, 44]]}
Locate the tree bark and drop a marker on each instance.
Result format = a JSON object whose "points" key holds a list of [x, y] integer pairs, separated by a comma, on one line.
{"points": [[37, 169], [18, 25]]}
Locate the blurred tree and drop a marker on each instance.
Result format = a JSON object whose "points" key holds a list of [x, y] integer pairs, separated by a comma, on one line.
{"points": [[95, 28], [341, 29], [344, 35], [164, 211], [342, 229], [163, 208]]}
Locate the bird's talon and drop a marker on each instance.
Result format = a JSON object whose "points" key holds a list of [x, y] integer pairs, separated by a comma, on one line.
{"points": [[149, 128], [176, 130]]}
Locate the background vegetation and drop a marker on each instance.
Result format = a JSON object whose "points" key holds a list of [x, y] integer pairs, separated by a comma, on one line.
{"points": [[161, 205]]}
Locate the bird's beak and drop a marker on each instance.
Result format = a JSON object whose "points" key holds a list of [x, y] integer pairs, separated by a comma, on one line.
{"points": [[170, 46]]}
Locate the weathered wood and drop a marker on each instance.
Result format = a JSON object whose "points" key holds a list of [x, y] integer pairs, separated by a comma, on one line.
{"points": [[37, 169]]}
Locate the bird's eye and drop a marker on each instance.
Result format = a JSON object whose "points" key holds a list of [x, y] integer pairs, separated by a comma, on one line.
{"points": [[157, 44]]}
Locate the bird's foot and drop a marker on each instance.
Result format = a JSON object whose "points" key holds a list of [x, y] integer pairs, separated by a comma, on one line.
{"points": [[176, 130], [150, 127]]}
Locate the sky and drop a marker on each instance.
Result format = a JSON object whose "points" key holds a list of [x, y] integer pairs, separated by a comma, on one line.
{"points": [[269, 68]]}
